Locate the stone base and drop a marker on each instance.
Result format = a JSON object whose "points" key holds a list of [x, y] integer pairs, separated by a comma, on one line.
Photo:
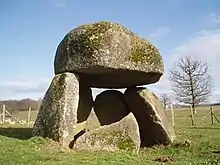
{"points": [[122, 135], [65, 114]]}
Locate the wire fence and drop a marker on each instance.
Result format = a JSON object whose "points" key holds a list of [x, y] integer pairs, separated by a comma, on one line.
{"points": [[22, 117], [206, 116], [183, 116]]}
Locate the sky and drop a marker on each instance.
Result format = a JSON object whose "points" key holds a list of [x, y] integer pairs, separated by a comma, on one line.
{"points": [[31, 30]]}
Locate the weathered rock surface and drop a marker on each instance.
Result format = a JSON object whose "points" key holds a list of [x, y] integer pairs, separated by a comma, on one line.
{"points": [[109, 107], [109, 56], [122, 135], [58, 113], [150, 115]]}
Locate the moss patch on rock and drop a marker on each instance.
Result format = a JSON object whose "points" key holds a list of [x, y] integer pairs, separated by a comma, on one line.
{"points": [[116, 138], [50, 127], [58, 111], [144, 52], [91, 39], [108, 49], [123, 135], [94, 36], [58, 86]]}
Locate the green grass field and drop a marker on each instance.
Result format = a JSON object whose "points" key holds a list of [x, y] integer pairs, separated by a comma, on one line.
{"points": [[18, 147]]}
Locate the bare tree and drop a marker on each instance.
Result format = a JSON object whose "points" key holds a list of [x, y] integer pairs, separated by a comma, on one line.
{"points": [[164, 99], [191, 82]]}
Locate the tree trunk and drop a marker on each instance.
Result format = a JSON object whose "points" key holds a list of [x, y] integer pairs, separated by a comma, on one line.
{"points": [[192, 92], [194, 109], [192, 115]]}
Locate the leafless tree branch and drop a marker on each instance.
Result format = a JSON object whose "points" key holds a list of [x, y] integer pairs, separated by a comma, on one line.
{"points": [[191, 82]]}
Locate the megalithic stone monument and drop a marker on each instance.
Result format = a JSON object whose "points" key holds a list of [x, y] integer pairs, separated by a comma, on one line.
{"points": [[104, 55]]}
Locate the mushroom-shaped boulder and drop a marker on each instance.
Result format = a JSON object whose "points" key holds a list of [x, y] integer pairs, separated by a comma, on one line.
{"points": [[108, 55]]}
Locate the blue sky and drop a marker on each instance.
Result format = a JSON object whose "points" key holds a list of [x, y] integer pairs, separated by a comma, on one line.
{"points": [[30, 31]]}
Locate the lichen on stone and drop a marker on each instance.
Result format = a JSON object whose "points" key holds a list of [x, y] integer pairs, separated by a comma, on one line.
{"points": [[91, 39], [122, 135], [57, 115], [59, 86], [116, 138], [50, 127], [153, 122], [103, 47], [144, 52]]}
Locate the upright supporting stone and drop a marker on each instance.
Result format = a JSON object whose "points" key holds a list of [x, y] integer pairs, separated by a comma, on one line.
{"points": [[58, 113], [149, 112], [85, 105], [85, 101]]}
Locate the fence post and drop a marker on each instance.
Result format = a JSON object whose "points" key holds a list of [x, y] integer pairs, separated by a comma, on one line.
{"points": [[191, 114], [212, 118], [29, 114], [172, 114], [3, 114]]}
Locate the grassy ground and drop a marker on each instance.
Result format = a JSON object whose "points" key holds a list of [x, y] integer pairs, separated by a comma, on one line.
{"points": [[23, 115], [18, 147]]}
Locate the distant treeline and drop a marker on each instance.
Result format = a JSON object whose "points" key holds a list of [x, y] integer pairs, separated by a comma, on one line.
{"points": [[21, 105]]}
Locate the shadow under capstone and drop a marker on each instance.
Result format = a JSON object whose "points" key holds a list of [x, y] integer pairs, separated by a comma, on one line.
{"points": [[17, 133], [85, 102]]}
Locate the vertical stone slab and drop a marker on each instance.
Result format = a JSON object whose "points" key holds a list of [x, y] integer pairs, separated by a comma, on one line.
{"points": [[85, 101], [149, 112], [57, 117], [85, 105]]}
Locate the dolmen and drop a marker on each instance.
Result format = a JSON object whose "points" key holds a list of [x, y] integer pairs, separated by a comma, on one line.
{"points": [[104, 55]]}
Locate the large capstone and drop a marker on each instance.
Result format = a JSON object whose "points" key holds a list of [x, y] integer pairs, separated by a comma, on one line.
{"points": [[109, 107], [150, 115], [108, 55], [122, 135], [57, 118]]}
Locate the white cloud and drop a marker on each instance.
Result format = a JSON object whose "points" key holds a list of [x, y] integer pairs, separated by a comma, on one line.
{"points": [[11, 89], [61, 3], [213, 19], [159, 32], [162, 86], [205, 45]]}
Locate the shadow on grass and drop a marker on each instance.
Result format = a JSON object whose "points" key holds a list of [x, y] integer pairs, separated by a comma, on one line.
{"points": [[198, 127], [218, 128], [18, 133]]}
